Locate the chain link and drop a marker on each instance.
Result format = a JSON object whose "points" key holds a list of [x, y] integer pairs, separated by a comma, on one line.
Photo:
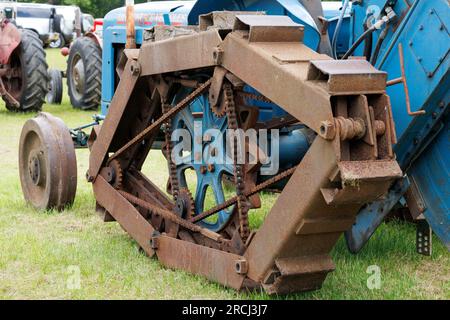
{"points": [[239, 169]]}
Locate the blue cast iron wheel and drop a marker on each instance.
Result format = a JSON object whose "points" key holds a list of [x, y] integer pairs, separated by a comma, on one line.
{"points": [[207, 175]]}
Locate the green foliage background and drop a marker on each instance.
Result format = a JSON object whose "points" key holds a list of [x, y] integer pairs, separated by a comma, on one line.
{"points": [[98, 8]]}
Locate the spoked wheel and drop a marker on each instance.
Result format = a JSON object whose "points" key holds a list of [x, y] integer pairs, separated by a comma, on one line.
{"points": [[204, 170], [47, 163]]}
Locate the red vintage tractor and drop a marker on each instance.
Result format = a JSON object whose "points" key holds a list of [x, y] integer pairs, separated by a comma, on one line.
{"points": [[84, 69], [23, 66]]}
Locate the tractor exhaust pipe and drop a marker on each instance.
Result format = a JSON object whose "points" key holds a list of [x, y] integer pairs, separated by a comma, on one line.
{"points": [[78, 22], [131, 31]]}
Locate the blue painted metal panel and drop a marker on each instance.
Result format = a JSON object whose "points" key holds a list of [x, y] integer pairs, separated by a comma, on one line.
{"points": [[431, 173], [332, 11], [291, 8], [372, 215], [423, 147]]}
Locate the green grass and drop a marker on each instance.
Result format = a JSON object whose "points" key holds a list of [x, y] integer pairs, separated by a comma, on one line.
{"points": [[37, 249]]}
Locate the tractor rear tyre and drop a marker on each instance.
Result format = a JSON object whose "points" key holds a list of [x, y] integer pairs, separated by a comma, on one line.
{"points": [[47, 163], [29, 85], [55, 92], [84, 74]]}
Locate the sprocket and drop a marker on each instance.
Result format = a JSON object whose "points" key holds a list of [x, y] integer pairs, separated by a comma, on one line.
{"points": [[117, 174], [219, 109], [185, 204]]}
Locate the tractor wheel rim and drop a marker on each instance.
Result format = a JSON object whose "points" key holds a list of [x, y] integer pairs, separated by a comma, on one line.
{"points": [[14, 80], [78, 77], [34, 164], [56, 43], [34, 169]]}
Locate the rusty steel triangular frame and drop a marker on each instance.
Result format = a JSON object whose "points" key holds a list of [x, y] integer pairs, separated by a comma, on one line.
{"points": [[290, 252]]}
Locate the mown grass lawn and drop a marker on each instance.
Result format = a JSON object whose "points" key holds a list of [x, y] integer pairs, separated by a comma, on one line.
{"points": [[41, 252]]}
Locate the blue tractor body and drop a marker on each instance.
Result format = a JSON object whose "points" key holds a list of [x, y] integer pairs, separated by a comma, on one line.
{"points": [[421, 26], [423, 148]]}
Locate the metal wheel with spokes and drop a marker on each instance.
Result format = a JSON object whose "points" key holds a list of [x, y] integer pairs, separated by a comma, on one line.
{"points": [[205, 174]]}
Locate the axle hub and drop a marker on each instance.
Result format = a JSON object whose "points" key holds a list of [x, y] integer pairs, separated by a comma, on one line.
{"points": [[34, 169]]}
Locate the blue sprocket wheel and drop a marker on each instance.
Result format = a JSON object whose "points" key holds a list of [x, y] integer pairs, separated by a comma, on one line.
{"points": [[201, 168]]}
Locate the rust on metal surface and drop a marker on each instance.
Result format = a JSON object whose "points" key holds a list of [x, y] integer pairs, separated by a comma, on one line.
{"points": [[124, 213], [350, 162], [213, 264], [405, 84], [46, 157], [262, 28], [348, 76], [130, 25], [10, 38]]}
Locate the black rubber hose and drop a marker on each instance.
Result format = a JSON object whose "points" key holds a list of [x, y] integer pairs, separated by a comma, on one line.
{"points": [[363, 37], [338, 29], [380, 41], [368, 45]]}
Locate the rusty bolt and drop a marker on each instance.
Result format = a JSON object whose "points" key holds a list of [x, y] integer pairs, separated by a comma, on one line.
{"points": [[351, 128], [380, 127], [218, 55], [135, 69], [327, 130], [154, 243], [211, 168], [241, 267], [203, 170], [89, 178]]}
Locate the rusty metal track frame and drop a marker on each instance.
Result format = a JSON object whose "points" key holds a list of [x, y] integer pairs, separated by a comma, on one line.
{"points": [[349, 163]]}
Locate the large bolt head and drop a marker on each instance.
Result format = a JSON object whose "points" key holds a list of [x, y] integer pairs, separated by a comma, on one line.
{"points": [[327, 130]]}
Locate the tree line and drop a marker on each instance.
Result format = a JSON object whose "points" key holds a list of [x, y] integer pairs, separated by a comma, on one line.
{"points": [[98, 8]]}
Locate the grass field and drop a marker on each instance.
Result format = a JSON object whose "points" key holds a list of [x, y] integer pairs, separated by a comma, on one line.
{"points": [[43, 253]]}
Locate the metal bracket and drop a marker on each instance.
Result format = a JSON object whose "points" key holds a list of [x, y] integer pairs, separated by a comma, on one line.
{"points": [[369, 218], [263, 28], [424, 236], [216, 85], [7, 96], [402, 80]]}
